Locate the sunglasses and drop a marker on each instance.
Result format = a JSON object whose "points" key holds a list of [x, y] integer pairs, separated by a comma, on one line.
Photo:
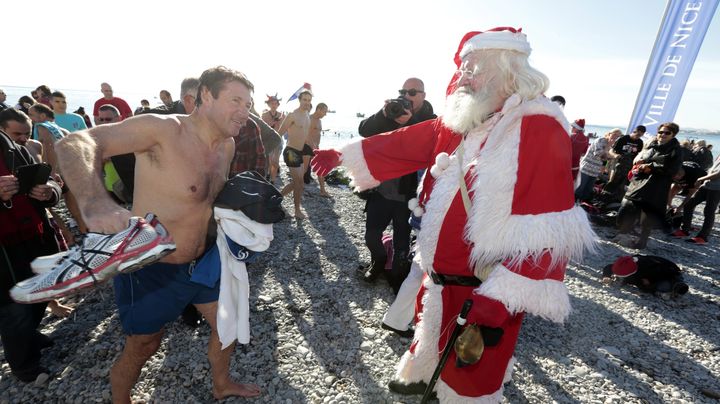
{"points": [[664, 132], [411, 92]]}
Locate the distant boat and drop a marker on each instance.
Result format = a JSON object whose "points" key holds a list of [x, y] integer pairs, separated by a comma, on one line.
{"points": [[360, 115]]}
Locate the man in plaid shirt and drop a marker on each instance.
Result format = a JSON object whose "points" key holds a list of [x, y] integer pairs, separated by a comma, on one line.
{"points": [[249, 150]]}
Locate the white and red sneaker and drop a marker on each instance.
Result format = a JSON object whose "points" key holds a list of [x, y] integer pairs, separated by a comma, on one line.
{"points": [[98, 258]]}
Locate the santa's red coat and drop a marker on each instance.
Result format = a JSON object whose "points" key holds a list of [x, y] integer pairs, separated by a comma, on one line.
{"points": [[523, 224]]}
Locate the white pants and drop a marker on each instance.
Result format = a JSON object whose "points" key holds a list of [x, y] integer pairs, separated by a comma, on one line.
{"points": [[402, 310]]}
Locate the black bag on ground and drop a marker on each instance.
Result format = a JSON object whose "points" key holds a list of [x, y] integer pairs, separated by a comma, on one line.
{"points": [[250, 193]]}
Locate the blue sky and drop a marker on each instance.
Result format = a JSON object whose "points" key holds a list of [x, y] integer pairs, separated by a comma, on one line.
{"points": [[355, 54]]}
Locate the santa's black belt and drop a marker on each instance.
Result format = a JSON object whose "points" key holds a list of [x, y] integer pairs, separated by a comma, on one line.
{"points": [[454, 280]]}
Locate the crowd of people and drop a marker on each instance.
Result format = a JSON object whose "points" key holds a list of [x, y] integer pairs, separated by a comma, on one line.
{"points": [[487, 205], [637, 180]]}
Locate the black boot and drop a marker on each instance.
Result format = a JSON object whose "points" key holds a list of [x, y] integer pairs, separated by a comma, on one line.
{"points": [[377, 267], [417, 388]]}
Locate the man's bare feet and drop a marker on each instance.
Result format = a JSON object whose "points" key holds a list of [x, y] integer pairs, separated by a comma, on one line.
{"points": [[325, 194], [58, 309], [236, 389], [299, 215]]}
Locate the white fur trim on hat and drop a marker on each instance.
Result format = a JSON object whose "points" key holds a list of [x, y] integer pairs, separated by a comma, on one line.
{"points": [[516, 41], [418, 211]]}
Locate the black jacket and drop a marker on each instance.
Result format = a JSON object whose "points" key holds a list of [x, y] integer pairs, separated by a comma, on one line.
{"points": [[379, 123], [20, 245], [703, 157], [651, 190]]}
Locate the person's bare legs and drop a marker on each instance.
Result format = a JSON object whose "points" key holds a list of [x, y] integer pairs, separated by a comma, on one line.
{"points": [[126, 369], [274, 164], [323, 192], [306, 164], [58, 309], [296, 186], [219, 359]]}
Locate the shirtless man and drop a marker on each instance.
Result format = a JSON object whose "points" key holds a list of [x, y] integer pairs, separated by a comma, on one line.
{"points": [[181, 194], [297, 126], [313, 140]]}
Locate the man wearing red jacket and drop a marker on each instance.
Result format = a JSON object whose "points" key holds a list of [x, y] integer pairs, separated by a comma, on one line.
{"points": [[580, 144], [498, 216]]}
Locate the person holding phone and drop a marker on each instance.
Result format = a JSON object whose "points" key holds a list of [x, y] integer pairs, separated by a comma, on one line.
{"points": [[24, 235]]}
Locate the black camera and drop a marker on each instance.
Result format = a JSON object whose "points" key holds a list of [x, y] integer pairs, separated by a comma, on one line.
{"points": [[397, 107]]}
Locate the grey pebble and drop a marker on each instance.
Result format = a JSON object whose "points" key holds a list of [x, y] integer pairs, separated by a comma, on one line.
{"points": [[315, 335]]}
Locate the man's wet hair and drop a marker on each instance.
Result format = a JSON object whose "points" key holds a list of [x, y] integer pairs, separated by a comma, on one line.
{"points": [[641, 128], [214, 79], [12, 114], [44, 109], [57, 94]]}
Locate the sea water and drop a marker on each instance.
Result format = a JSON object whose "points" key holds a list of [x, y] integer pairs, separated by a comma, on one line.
{"points": [[340, 127]]}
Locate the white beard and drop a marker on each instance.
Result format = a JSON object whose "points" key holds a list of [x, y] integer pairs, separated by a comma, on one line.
{"points": [[465, 111]]}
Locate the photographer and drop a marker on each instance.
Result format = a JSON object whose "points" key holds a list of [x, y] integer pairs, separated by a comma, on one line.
{"points": [[389, 201]]}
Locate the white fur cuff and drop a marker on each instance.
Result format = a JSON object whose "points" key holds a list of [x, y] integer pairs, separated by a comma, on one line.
{"points": [[545, 298], [354, 160]]}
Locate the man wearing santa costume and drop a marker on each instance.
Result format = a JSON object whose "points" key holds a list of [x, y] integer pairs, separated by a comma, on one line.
{"points": [[499, 222]]}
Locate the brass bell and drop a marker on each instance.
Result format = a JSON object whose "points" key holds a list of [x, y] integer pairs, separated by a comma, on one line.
{"points": [[469, 346]]}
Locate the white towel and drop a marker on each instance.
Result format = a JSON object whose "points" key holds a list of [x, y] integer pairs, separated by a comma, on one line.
{"points": [[233, 314]]}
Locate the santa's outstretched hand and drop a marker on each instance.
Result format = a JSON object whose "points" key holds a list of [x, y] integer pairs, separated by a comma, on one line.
{"points": [[325, 161]]}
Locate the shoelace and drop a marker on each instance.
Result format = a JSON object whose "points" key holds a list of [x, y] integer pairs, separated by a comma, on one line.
{"points": [[84, 261]]}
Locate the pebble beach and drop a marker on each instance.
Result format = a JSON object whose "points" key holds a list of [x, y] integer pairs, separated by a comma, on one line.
{"points": [[316, 336]]}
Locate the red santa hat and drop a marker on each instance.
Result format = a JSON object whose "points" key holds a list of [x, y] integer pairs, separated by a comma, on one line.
{"points": [[497, 38], [624, 266], [579, 124]]}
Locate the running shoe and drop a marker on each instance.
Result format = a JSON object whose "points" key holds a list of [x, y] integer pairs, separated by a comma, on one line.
{"points": [[679, 233], [697, 240], [45, 264], [98, 258]]}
